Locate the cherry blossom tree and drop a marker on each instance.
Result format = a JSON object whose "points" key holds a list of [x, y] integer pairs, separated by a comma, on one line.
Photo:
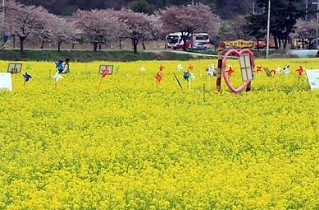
{"points": [[24, 20], [136, 26], [306, 31], [97, 25], [189, 19], [42, 33], [62, 30]]}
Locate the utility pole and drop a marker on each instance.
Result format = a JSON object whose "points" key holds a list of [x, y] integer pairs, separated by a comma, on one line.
{"points": [[317, 24], [306, 16], [2, 13], [268, 30]]}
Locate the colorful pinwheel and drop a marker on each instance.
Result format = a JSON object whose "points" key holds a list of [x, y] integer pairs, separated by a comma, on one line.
{"points": [[190, 67], [27, 77], [158, 77], [300, 71], [104, 72], [258, 69], [211, 71], [161, 67], [186, 75], [230, 71], [142, 70], [286, 69]]}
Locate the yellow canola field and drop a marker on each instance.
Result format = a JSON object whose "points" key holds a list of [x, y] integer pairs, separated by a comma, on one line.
{"points": [[123, 142]]}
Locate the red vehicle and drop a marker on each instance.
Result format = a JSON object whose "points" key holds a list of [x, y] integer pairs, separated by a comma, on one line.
{"points": [[262, 44]]}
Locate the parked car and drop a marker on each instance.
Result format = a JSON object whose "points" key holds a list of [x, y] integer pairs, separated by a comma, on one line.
{"points": [[201, 46]]}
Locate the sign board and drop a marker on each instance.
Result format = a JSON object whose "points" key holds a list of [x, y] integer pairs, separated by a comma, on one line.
{"points": [[5, 81], [239, 44], [313, 78], [108, 67], [245, 67], [14, 68]]}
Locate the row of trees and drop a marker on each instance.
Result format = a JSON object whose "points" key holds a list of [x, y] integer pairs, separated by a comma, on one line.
{"points": [[224, 9], [98, 26], [111, 25]]}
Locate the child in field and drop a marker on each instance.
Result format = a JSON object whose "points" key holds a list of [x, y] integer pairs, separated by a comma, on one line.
{"points": [[63, 68]]}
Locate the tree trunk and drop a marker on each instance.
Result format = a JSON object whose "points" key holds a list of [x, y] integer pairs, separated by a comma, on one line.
{"points": [[285, 43], [185, 43], [22, 38], [14, 41], [120, 43], [143, 45], [276, 42], [95, 44], [42, 44], [59, 45], [134, 43]]}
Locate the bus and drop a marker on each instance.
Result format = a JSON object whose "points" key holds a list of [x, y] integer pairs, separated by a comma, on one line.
{"points": [[194, 41], [200, 41]]}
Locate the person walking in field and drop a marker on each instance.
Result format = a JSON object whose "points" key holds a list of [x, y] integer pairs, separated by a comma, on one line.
{"points": [[63, 68], [66, 67]]}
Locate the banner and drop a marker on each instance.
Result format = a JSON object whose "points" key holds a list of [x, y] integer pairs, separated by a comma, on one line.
{"points": [[313, 78], [5, 81]]}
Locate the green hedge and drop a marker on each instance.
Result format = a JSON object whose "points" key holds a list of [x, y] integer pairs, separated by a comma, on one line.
{"points": [[86, 56]]}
